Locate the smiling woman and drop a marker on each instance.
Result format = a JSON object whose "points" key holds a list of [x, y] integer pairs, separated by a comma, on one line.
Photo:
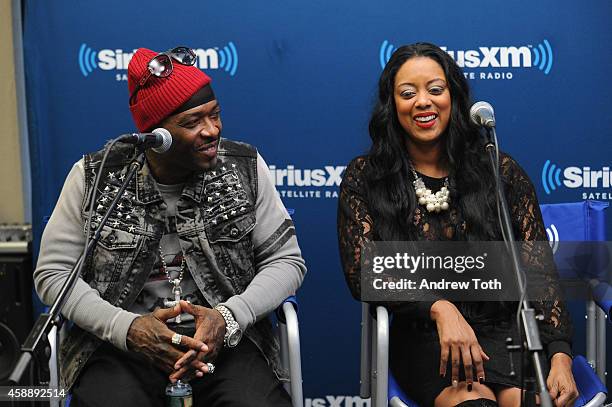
{"points": [[422, 101], [426, 177]]}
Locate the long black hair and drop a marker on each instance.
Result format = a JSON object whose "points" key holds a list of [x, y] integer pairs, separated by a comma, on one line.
{"points": [[391, 197]]}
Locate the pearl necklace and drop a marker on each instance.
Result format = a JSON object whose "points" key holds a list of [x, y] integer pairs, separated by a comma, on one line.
{"points": [[433, 202]]}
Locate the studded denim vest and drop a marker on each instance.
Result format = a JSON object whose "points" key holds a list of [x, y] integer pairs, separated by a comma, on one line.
{"points": [[215, 215]]}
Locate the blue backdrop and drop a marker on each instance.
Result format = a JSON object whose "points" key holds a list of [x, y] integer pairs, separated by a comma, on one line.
{"points": [[297, 79]]}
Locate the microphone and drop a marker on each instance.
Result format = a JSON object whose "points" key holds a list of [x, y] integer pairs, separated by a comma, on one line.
{"points": [[159, 140], [482, 114]]}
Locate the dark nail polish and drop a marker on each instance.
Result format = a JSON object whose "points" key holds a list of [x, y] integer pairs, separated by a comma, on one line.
{"points": [[480, 380], [469, 387]]}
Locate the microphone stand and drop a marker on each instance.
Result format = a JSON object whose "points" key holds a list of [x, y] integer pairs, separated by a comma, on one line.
{"points": [[532, 341], [36, 345]]}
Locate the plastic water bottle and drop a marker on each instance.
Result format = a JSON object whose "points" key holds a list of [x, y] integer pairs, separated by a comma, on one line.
{"points": [[179, 394]]}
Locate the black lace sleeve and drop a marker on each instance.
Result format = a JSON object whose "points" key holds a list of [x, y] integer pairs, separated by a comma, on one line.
{"points": [[354, 224], [537, 258], [355, 229]]}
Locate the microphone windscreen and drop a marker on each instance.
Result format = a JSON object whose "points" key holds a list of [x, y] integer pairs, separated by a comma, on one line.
{"points": [[166, 140], [482, 114]]}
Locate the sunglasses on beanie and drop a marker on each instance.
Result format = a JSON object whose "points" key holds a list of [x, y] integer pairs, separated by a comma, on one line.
{"points": [[161, 66]]}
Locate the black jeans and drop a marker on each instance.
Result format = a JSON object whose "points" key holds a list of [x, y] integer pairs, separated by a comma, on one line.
{"points": [[115, 378]]}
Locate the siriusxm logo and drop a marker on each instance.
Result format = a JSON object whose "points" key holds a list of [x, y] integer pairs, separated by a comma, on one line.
{"points": [[315, 183], [553, 237], [527, 56], [337, 401], [225, 58], [574, 177], [330, 176]]}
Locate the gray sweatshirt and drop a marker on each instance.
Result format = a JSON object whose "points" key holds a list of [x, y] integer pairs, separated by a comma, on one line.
{"points": [[279, 271]]}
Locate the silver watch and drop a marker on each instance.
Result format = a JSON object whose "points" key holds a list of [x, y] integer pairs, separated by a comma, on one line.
{"points": [[233, 333]]}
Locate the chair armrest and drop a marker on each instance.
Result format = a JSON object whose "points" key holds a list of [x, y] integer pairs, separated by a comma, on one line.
{"points": [[602, 295], [382, 356], [592, 391], [290, 337], [397, 397], [397, 402], [375, 350], [365, 382], [280, 311]]}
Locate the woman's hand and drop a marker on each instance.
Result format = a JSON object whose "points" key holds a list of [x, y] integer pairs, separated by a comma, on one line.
{"points": [[458, 340], [560, 382]]}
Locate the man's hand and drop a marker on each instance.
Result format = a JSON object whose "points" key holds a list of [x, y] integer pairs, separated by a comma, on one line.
{"points": [[560, 382], [210, 328], [150, 336]]}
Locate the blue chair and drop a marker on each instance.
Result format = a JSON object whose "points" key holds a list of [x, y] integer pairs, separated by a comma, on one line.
{"points": [[578, 222], [582, 221], [378, 383], [289, 335]]}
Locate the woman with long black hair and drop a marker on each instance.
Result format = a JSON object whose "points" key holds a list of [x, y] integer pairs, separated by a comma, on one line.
{"points": [[445, 353]]}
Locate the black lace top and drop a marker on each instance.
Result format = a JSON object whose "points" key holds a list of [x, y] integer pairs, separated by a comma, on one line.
{"points": [[356, 227]]}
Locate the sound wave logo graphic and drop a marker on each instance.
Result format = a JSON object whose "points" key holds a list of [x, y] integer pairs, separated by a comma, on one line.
{"points": [[543, 56], [87, 60], [384, 55], [551, 177], [228, 58], [553, 237]]}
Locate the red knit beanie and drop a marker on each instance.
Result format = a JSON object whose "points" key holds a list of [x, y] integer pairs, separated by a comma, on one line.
{"points": [[159, 97]]}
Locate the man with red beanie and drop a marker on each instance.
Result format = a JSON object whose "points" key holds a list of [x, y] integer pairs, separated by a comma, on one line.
{"points": [[197, 253]]}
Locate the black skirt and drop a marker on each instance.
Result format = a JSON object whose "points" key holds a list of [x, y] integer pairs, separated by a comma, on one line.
{"points": [[415, 355]]}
